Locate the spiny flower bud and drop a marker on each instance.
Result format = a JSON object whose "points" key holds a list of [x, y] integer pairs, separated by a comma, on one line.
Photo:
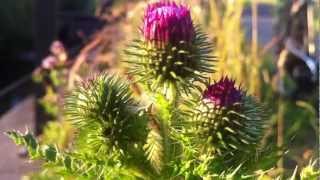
{"points": [[166, 22], [231, 121], [171, 54], [104, 105], [223, 93]]}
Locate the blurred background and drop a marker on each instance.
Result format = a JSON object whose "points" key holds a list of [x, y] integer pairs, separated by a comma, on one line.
{"points": [[271, 47]]}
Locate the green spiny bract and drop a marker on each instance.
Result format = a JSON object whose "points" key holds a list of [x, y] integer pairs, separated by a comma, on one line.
{"points": [[106, 115], [232, 133], [230, 129], [177, 66], [310, 172]]}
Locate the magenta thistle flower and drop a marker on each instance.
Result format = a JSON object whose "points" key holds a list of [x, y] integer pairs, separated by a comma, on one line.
{"points": [[223, 93], [166, 22]]}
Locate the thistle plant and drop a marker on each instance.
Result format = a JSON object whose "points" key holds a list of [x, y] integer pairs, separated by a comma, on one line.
{"points": [[180, 127]]}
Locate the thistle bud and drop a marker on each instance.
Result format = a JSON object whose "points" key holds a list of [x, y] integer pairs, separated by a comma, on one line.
{"points": [[171, 52], [104, 111], [229, 119]]}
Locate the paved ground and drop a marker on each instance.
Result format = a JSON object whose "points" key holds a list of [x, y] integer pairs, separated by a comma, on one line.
{"points": [[12, 167]]}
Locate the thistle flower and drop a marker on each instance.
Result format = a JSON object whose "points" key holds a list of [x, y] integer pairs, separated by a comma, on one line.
{"points": [[230, 120], [49, 62], [167, 22], [172, 53], [223, 93]]}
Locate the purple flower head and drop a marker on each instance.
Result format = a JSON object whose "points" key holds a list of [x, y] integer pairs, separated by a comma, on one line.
{"points": [[166, 22], [223, 93]]}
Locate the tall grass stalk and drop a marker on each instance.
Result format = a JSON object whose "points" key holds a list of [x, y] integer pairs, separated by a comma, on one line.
{"points": [[235, 59]]}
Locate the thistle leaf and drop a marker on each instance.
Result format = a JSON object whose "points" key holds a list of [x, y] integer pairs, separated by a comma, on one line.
{"points": [[154, 149], [49, 153]]}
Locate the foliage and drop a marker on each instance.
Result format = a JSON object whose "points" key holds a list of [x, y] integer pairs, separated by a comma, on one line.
{"points": [[60, 133], [49, 102], [68, 164]]}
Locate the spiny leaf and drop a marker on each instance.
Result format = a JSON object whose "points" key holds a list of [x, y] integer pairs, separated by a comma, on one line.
{"points": [[48, 153], [154, 149], [27, 140]]}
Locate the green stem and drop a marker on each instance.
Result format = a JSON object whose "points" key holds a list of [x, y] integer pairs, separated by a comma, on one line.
{"points": [[166, 140], [280, 126]]}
